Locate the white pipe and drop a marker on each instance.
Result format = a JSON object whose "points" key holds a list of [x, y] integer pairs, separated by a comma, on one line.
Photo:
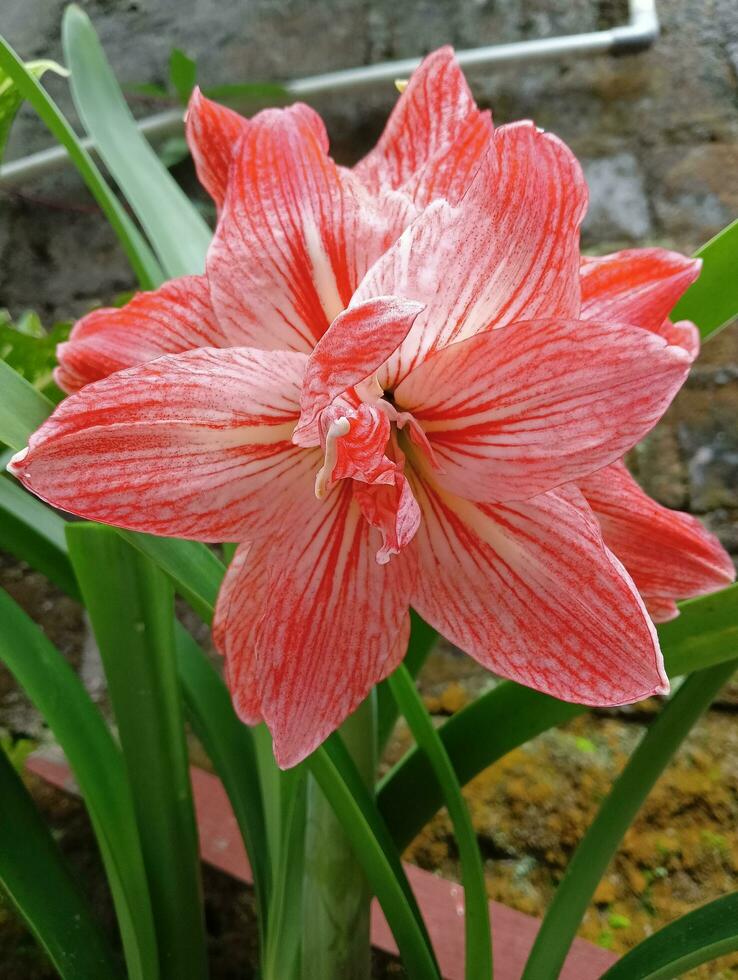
{"points": [[638, 34]]}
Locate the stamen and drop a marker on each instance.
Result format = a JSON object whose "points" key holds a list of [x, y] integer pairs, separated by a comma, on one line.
{"points": [[336, 430]]}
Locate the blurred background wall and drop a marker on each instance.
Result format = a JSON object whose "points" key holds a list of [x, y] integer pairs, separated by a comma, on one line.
{"points": [[657, 133]]}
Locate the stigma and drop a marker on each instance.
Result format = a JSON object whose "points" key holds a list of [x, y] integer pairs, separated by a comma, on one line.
{"points": [[336, 431]]}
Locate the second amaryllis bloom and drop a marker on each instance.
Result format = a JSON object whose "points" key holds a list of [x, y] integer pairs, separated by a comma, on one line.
{"points": [[383, 418]]}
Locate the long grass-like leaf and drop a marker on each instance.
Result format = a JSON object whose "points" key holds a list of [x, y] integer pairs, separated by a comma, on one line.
{"points": [[139, 254], [230, 745], [712, 301], [131, 605], [97, 764], [478, 962], [695, 938], [179, 235], [36, 878], [34, 533]]}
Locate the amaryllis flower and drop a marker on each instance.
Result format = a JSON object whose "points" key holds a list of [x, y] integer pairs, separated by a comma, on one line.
{"points": [[390, 422], [431, 148]]}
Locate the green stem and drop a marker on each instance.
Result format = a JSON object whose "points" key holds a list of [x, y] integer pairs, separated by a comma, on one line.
{"points": [[336, 895]]}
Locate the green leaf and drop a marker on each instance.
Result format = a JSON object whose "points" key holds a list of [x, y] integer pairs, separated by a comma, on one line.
{"points": [[341, 783], [11, 98], [179, 235], [138, 252], [131, 606], [34, 533], [478, 946], [195, 570], [182, 74], [281, 958], [29, 349], [422, 640], [697, 937], [22, 408], [96, 762], [712, 301], [510, 715], [230, 746], [616, 814], [41, 887]]}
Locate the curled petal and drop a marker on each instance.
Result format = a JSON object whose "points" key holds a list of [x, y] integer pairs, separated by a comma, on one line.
{"points": [[212, 132], [329, 626], [357, 343], [661, 610], [512, 413], [434, 138], [670, 555], [508, 252], [360, 452], [638, 286], [683, 333], [194, 445], [531, 592], [393, 510], [174, 318], [296, 235]]}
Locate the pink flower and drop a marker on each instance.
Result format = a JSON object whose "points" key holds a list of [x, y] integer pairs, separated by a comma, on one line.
{"points": [[383, 418]]}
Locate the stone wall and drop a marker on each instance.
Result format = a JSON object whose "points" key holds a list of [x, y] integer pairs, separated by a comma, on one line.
{"points": [[657, 133]]}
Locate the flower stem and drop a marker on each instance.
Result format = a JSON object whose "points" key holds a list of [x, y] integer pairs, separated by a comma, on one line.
{"points": [[336, 896]]}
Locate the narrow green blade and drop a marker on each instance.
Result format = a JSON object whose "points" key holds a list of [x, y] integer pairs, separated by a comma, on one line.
{"points": [[131, 605], [712, 302], [695, 938], [96, 762], [422, 640], [194, 569], [478, 947], [34, 533], [22, 408], [230, 745], [139, 254], [179, 235], [341, 783], [41, 886], [616, 814]]}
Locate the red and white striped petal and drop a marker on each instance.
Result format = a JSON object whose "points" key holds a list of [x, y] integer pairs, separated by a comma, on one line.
{"points": [[329, 624], [531, 592], [296, 235], [683, 333], [638, 286], [515, 412], [670, 555], [174, 318], [508, 252], [194, 445], [212, 132], [357, 343], [237, 616], [434, 138], [661, 610]]}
